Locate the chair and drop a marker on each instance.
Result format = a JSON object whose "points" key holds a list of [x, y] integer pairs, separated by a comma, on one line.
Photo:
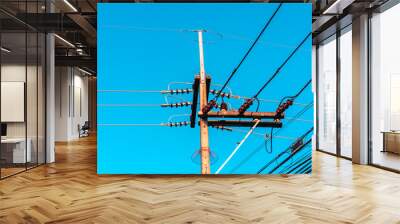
{"points": [[84, 129]]}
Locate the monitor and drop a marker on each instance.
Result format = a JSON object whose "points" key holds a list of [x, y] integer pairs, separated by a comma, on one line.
{"points": [[3, 129]]}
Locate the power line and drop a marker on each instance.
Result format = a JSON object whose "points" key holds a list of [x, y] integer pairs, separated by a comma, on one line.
{"points": [[295, 163], [254, 132], [249, 102], [283, 106], [177, 115], [238, 97], [305, 169], [304, 161], [302, 89], [292, 98], [300, 113], [285, 160], [152, 29], [263, 135], [248, 51], [282, 65], [238, 146], [300, 120], [128, 91], [266, 100], [306, 164], [127, 125], [168, 124], [129, 105], [175, 91]]}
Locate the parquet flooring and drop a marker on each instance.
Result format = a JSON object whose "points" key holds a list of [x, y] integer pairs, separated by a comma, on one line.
{"points": [[70, 191]]}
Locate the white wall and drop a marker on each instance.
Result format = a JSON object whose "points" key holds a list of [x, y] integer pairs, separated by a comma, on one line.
{"points": [[17, 73], [62, 82], [33, 127], [71, 102]]}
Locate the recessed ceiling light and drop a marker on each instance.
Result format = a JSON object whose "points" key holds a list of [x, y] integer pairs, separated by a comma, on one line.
{"points": [[84, 71], [64, 40], [70, 5], [337, 7], [5, 50]]}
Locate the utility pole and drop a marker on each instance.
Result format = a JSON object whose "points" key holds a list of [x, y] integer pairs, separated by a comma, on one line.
{"points": [[204, 144], [201, 89]]}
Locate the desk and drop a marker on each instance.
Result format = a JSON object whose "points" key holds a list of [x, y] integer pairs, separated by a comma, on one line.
{"points": [[391, 141], [13, 150]]}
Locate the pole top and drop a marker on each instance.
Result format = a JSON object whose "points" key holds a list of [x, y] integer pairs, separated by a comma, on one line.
{"points": [[200, 30]]}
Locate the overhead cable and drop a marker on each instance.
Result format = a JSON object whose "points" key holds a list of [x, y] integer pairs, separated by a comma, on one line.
{"points": [[257, 121], [249, 102], [247, 53], [297, 115], [284, 161]]}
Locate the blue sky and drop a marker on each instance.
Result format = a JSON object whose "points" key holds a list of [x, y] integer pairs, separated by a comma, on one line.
{"points": [[145, 47]]}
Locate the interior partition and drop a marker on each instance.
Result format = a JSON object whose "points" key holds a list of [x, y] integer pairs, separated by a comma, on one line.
{"points": [[22, 88]]}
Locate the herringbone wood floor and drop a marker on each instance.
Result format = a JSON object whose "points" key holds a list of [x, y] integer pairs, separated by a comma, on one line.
{"points": [[69, 191]]}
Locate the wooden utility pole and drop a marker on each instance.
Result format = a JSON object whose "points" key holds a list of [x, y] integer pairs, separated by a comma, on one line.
{"points": [[205, 148], [201, 89]]}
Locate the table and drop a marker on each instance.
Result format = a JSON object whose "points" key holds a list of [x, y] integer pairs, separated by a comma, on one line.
{"points": [[13, 150]]}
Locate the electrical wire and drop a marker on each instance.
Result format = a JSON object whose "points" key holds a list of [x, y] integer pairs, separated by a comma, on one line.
{"points": [[297, 94], [169, 124], [293, 166], [284, 161], [160, 124], [238, 146], [300, 120], [171, 96], [282, 65], [177, 115], [258, 104], [293, 98], [270, 140], [305, 169], [290, 148], [265, 100], [284, 167], [300, 113], [248, 52], [262, 135], [298, 161], [238, 37], [302, 89], [127, 91], [152, 29], [250, 101], [304, 161], [128, 105], [181, 83]]}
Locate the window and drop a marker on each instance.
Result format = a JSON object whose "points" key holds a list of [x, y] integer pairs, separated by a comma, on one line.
{"points": [[346, 92], [327, 95], [385, 89]]}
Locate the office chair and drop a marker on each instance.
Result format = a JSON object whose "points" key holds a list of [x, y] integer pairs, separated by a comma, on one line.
{"points": [[84, 130]]}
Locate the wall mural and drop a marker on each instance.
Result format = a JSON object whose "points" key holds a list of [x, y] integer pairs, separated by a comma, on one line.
{"points": [[204, 88]]}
